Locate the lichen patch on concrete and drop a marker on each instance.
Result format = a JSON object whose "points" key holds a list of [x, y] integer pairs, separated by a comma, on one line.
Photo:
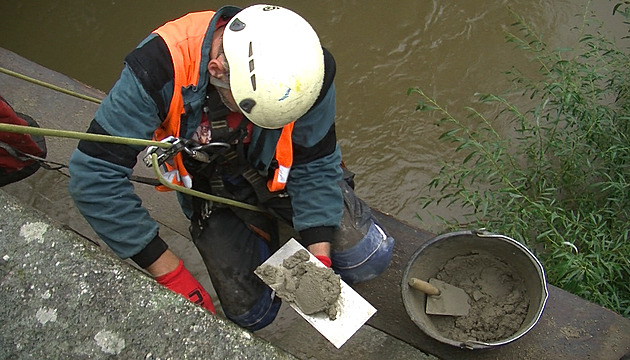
{"points": [[109, 342], [45, 315], [33, 231]]}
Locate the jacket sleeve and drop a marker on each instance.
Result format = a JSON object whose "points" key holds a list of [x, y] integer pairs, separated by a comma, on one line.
{"points": [[99, 172], [314, 178]]}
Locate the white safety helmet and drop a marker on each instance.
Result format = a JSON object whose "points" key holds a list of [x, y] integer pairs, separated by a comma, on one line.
{"points": [[276, 64]]}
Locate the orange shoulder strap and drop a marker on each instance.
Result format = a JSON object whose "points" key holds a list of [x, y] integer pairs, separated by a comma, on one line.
{"points": [[284, 156], [184, 39]]}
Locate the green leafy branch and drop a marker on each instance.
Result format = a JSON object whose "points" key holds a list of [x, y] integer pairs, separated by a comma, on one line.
{"points": [[557, 181]]}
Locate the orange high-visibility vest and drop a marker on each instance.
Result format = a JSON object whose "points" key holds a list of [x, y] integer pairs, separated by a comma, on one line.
{"points": [[184, 39]]}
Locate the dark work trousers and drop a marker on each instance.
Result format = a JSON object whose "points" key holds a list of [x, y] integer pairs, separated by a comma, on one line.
{"points": [[233, 242], [231, 252]]}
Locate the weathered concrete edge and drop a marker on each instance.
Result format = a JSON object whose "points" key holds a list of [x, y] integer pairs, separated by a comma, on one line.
{"points": [[63, 297]]}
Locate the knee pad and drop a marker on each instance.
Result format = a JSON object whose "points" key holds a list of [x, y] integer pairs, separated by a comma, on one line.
{"points": [[367, 259], [261, 314]]}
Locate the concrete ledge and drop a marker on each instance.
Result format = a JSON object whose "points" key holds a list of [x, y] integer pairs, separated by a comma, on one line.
{"points": [[85, 299], [63, 297], [47, 192]]}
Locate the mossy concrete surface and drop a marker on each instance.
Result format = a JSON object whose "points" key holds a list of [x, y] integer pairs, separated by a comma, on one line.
{"points": [[64, 298]]}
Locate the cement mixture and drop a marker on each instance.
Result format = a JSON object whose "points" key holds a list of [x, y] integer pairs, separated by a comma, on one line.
{"points": [[312, 288], [498, 299]]}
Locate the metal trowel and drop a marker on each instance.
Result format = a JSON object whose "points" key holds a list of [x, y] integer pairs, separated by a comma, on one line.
{"points": [[442, 298], [353, 310]]}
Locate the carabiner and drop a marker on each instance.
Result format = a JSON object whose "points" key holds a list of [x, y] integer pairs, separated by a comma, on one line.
{"points": [[163, 155]]}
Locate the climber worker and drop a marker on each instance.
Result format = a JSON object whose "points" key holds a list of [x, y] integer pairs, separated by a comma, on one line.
{"points": [[21, 155], [253, 89]]}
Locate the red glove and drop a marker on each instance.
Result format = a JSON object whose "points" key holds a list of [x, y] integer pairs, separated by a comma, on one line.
{"points": [[182, 282], [324, 259]]}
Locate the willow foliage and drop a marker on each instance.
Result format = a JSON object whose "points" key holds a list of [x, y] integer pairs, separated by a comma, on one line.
{"points": [[559, 181]]}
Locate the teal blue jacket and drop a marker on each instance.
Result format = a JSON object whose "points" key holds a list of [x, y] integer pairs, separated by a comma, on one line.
{"points": [[137, 105]]}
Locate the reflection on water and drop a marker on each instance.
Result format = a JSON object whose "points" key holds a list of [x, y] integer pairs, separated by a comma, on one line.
{"points": [[451, 49]]}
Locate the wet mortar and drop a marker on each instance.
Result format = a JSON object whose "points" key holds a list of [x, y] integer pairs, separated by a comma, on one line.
{"points": [[312, 288], [498, 299]]}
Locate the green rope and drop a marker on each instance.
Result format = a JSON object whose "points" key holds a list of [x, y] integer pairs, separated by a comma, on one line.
{"points": [[113, 140], [71, 134], [199, 194], [127, 141], [50, 86], [81, 136]]}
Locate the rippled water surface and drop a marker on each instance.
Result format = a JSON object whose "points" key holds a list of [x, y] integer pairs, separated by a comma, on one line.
{"points": [[451, 49]]}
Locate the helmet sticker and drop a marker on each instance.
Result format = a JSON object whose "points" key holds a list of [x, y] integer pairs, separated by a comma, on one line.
{"points": [[286, 94]]}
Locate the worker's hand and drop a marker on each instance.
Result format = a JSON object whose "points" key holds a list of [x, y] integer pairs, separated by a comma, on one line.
{"points": [[321, 251], [182, 282]]}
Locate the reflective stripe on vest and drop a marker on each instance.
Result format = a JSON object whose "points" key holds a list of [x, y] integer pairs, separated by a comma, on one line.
{"points": [[284, 157], [184, 39]]}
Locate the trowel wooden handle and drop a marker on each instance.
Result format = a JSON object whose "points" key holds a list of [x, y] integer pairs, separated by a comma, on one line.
{"points": [[423, 286]]}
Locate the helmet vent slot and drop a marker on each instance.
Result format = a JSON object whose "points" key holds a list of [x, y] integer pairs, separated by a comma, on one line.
{"points": [[252, 67], [237, 25], [253, 80]]}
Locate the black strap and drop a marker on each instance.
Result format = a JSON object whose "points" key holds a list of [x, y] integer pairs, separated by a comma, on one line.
{"points": [[13, 152], [259, 184], [24, 157], [229, 161], [220, 130]]}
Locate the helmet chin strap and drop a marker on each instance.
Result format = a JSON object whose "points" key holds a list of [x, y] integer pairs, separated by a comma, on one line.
{"points": [[219, 83], [221, 87]]}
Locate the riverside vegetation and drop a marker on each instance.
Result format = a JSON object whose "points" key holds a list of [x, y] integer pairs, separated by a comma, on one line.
{"points": [[559, 181]]}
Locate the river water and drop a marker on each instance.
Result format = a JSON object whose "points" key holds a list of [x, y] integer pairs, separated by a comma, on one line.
{"points": [[449, 48]]}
